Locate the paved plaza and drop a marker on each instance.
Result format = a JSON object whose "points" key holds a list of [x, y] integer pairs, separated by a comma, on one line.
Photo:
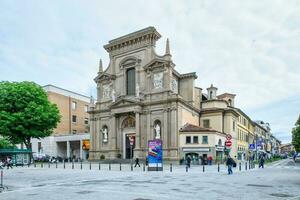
{"points": [[280, 180]]}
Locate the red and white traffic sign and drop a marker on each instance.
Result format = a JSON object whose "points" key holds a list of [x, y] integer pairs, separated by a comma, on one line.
{"points": [[228, 137], [228, 143]]}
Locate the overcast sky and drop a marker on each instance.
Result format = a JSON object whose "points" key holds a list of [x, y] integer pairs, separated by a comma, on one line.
{"points": [[249, 48]]}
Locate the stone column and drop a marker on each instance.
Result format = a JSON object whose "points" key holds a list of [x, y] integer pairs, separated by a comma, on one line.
{"points": [[165, 129], [68, 150], [80, 150], [113, 134], [137, 131]]}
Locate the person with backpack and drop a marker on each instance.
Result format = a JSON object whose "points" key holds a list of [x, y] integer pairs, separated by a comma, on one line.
{"points": [[229, 162]]}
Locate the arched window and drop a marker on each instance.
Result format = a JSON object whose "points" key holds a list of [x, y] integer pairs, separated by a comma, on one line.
{"points": [[104, 131], [211, 95], [130, 81], [157, 129], [230, 102]]}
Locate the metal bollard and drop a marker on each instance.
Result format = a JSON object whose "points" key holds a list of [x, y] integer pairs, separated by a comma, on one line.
{"points": [[120, 167], [99, 166], [246, 166], [1, 178], [109, 166], [240, 166], [218, 167], [131, 167], [72, 164], [186, 168], [157, 167], [144, 168], [249, 165], [203, 168], [48, 165], [90, 165], [56, 164], [80, 164], [171, 167], [34, 165], [42, 165], [64, 165]]}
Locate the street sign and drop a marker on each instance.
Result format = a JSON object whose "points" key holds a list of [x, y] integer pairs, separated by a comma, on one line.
{"points": [[228, 137], [228, 143], [252, 146]]}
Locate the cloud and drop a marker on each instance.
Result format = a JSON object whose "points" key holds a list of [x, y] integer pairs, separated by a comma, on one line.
{"points": [[248, 48]]}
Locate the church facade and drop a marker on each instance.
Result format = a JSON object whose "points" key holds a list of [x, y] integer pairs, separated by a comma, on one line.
{"points": [[140, 97]]}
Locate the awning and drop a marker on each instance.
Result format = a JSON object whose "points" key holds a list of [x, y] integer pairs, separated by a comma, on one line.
{"points": [[195, 149]]}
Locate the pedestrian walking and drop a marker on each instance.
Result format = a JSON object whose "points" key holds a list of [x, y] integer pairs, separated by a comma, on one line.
{"points": [[210, 159], [261, 161], [188, 161], [229, 162], [9, 163], [137, 162]]}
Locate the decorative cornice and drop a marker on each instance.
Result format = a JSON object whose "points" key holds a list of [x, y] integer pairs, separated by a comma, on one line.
{"points": [[144, 37]]}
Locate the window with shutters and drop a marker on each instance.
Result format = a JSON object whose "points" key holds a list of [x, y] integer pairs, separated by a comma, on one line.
{"points": [[130, 81]]}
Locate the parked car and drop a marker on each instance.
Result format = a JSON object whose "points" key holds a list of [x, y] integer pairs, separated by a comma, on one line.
{"points": [[41, 157]]}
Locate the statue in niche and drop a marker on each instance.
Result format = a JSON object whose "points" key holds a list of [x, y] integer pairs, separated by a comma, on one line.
{"points": [[105, 134], [113, 96], [157, 131]]}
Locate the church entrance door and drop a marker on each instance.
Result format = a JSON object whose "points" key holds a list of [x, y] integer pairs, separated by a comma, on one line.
{"points": [[129, 145]]}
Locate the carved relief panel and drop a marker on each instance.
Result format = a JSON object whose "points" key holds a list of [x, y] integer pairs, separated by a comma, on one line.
{"points": [[158, 80]]}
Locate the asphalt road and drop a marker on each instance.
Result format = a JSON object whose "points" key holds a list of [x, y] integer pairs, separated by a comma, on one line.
{"points": [[280, 180]]}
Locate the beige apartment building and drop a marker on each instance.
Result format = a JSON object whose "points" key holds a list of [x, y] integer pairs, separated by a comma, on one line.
{"points": [[70, 139]]}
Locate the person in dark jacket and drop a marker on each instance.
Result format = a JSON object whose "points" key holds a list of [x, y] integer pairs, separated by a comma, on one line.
{"points": [[261, 161], [188, 161], [137, 162], [229, 163]]}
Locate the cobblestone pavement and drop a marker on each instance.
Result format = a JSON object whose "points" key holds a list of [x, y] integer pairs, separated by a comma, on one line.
{"points": [[280, 180]]}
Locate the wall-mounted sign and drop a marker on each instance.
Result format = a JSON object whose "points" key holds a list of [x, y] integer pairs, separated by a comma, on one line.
{"points": [[155, 155], [85, 144]]}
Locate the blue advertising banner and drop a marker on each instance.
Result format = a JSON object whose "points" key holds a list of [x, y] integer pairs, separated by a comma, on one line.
{"points": [[155, 154]]}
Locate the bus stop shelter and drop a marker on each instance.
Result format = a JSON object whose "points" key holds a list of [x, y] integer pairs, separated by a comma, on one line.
{"points": [[18, 156]]}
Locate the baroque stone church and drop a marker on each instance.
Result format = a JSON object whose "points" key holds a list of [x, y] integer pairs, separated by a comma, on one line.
{"points": [[140, 97]]}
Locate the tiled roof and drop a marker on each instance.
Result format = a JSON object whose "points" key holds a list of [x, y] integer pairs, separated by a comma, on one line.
{"points": [[193, 128]]}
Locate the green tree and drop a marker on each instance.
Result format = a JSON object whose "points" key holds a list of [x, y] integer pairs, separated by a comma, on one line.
{"points": [[5, 143], [25, 112], [296, 135]]}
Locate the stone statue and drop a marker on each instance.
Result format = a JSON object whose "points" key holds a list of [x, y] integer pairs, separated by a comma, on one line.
{"points": [[137, 90], [157, 131], [113, 96], [105, 134]]}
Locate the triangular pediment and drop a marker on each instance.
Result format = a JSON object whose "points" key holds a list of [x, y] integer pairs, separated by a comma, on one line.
{"points": [[104, 76], [156, 63], [124, 102]]}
